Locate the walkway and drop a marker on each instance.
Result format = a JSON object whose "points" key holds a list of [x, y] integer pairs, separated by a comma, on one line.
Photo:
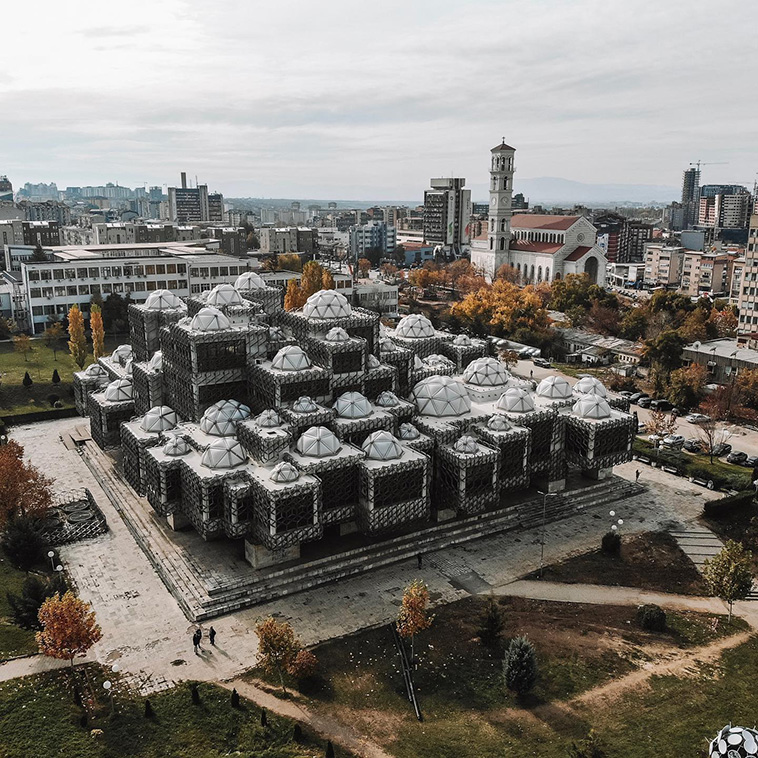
{"points": [[698, 543]]}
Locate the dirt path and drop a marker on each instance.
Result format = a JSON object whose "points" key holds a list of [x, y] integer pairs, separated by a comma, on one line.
{"points": [[328, 728]]}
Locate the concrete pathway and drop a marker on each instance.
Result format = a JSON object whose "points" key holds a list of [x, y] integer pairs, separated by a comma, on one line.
{"points": [[698, 543]]}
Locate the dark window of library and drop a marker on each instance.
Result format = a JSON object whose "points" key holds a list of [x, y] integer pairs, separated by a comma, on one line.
{"points": [[212, 356]]}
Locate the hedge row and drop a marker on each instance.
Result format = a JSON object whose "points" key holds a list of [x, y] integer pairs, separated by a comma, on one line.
{"points": [[725, 505]]}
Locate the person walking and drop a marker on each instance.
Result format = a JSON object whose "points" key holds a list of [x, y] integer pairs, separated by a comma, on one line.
{"points": [[196, 640], [419, 560], [636, 476], [212, 636]]}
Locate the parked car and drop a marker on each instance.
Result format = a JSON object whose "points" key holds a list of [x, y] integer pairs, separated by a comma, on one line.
{"points": [[750, 461], [673, 441], [637, 396], [723, 448], [626, 393], [698, 418], [641, 428], [693, 446], [660, 405], [542, 362], [644, 402], [737, 457], [655, 439]]}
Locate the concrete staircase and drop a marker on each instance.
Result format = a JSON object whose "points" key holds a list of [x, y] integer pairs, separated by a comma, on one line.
{"points": [[200, 600]]}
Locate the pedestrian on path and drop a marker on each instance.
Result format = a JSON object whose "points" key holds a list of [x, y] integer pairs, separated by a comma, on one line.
{"points": [[196, 640], [419, 560], [636, 476], [212, 636], [531, 373]]}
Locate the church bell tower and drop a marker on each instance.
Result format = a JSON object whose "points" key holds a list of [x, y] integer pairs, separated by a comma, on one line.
{"points": [[501, 193]]}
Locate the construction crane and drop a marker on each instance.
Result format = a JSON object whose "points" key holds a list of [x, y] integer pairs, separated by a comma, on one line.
{"points": [[714, 163]]}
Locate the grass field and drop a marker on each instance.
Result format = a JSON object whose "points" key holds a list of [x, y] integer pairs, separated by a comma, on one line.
{"points": [[13, 640]]}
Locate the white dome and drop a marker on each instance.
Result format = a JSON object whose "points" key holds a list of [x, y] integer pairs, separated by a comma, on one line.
{"points": [[467, 445], [382, 446], [96, 370], [327, 304], [498, 423], [462, 340], [268, 419], [515, 400], [163, 300], [249, 281], [291, 358], [414, 327], [441, 396], [486, 372], [337, 334], [221, 418], [438, 360], [161, 418], [734, 742], [176, 446], [284, 472], [407, 431], [352, 405], [223, 453], [119, 390], [209, 320], [386, 345], [590, 386], [224, 294], [318, 442], [554, 388], [387, 399], [372, 361], [275, 333], [122, 354], [304, 404], [418, 363], [156, 362], [592, 406]]}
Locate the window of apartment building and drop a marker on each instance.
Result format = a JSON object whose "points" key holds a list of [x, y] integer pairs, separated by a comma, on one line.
{"points": [[116, 271], [128, 270], [171, 268], [37, 310], [106, 272], [151, 286], [60, 292], [70, 273], [181, 268], [233, 270], [160, 268], [84, 289], [205, 287], [58, 274], [47, 292], [150, 270], [214, 271], [71, 291], [119, 288], [49, 310], [195, 272], [195, 289], [94, 273], [171, 284], [162, 284], [129, 287], [138, 271], [33, 275], [45, 275], [107, 289], [139, 286], [81, 273], [61, 310], [94, 289], [182, 284]]}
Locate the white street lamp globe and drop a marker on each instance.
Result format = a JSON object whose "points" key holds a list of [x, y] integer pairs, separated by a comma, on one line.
{"points": [[107, 685], [51, 554], [620, 521], [115, 668], [59, 567], [614, 528], [612, 513]]}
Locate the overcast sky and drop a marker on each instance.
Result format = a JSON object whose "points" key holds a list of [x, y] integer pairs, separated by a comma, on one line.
{"points": [[353, 100]]}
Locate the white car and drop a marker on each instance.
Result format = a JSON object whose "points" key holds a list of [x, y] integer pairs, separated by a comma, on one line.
{"points": [[697, 418], [674, 441]]}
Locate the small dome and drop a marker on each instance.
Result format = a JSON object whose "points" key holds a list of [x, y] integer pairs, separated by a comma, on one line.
{"points": [[291, 358], [467, 445], [437, 360], [486, 372], [209, 320], [554, 388], [304, 404], [387, 399], [318, 442], [221, 418], [386, 345], [372, 361], [249, 281], [463, 340], [119, 391], [592, 406], [515, 400], [224, 294], [268, 419], [284, 472], [352, 405], [498, 423], [163, 300], [327, 304], [95, 370], [122, 354], [734, 742], [337, 334], [176, 446], [407, 431], [382, 446], [156, 362], [441, 396], [276, 333], [223, 454], [161, 418], [588, 385], [414, 327], [418, 363]]}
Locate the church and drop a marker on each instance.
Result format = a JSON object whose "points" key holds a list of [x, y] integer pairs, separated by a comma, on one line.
{"points": [[541, 248]]}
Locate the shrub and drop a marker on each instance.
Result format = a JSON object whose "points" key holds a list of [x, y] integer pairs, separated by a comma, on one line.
{"points": [[491, 623], [520, 666], [304, 665], [53, 399], [589, 747], [56, 376], [611, 543], [652, 617], [724, 505], [34, 592], [27, 381], [22, 542]]}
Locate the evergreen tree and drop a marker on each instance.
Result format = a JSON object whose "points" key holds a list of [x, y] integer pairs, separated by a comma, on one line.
{"points": [[235, 698], [492, 622], [264, 719], [27, 381], [520, 666], [329, 749], [22, 542], [56, 377], [149, 712]]}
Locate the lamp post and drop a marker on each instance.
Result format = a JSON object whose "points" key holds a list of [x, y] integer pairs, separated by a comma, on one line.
{"points": [[108, 687], [51, 556], [545, 496]]}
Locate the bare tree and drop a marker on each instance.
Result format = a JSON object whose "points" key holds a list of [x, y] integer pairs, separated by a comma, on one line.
{"points": [[713, 434]]}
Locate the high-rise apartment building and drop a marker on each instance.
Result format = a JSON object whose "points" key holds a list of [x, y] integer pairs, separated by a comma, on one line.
{"points": [[634, 236], [690, 196], [216, 208], [747, 303], [188, 204], [447, 215], [6, 190], [372, 236], [724, 206]]}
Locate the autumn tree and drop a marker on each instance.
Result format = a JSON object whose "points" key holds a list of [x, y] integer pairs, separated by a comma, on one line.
{"points": [[22, 343], [327, 280], [68, 627], [665, 355], [24, 490], [388, 270], [633, 325], [77, 340], [713, 434], [8, 328], [277, 647], [724, 322], [364, 266], [293, 298], [507, 272], [310, 281], [289, 262], [661, 424], [98, 331], [53, 337], [687, 386], [414, 614], [729, 575]]}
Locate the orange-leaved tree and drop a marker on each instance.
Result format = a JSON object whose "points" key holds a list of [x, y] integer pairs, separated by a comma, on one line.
{"points": [[98, 331], [293, 298], [364, 266], [327, 280], [414, 613], [277, 647], [77, 340], [23, 489], [310, 281], [68, 627]]}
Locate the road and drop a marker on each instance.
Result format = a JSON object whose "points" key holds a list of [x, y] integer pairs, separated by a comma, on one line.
{"points": [[742, 439]]}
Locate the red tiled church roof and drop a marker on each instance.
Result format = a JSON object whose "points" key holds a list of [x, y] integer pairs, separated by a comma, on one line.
{"points": [[577, 254], [524, 246], [543, 221]]}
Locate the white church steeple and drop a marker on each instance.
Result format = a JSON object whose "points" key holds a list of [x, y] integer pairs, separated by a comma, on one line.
{"points": [[501, 192]]}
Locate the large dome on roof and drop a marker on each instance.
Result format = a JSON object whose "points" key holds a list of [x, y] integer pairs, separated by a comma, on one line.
{"points": [[223, 453], [441, 396], [382, 446], [515, 400], [122, 354], [291, 358], [95, 369], [486, 372], [221, 418], [163, 300], [554, 388], [386, 345], [352, 405], [327, 304], [249, 281], [161, 418], [588, 385], [592, 406], [467, 445], [337, 334], [156, 362], [414, 327], [268, 419], [318, 442], [209, 320], [462, 340], [734, 742], [176, 446], [119, 391], [304, 404], [224, 294], [284, 472]]}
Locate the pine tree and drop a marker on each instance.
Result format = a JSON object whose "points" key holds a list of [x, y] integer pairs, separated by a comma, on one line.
{"points": [[329, 749], [264, 719], [77, 340], [520, 666], [235, 698], [98, 331], [27, 381], [492, 623], [56, 377], [297, 733], [195, 694]]}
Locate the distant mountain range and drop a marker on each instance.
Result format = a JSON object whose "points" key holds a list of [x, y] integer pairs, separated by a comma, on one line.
{"points": [[548, 190]]}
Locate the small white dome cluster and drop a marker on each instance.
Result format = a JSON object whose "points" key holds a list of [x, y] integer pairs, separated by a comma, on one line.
{"points": [[327, 304], [382, 446], [122, 354], [592, 406], [407, 431], [498, 423], [372, 361], [291, 358], [441, 396], [337, 334], [467, 445], [95, 370], [164, 300], [176, 446], [414, 327], [268, 419], [386, 345], [318, 442], [304, 404], [221, 419], [588, 385], [486, 372], [284, 472], [209, 320], [387, 399], [249, 281], [224, 294], [462, 340]]}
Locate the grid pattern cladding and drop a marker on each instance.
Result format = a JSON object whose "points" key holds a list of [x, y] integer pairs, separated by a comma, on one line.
{"points": [[599, 444], [515, 449], [467, 482]]}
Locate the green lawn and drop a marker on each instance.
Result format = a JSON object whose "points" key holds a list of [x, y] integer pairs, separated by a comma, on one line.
{"points": [[13, 640], [39, 718]]}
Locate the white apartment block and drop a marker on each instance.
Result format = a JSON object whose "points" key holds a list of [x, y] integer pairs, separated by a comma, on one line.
{"points": [[663, 264], [377, 296], [375, 235], [747, 303]]}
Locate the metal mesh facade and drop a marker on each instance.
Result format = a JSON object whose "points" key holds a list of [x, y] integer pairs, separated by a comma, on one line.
{"points": [[105, 419], [515, 446], [467, 482], [599, 444]]}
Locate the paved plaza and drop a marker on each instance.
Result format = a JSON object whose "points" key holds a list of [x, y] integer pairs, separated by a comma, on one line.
{"points": [[145, 631]]}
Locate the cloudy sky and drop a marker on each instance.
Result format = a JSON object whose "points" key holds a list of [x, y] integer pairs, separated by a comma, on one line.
{"points": [[351, 100]]}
